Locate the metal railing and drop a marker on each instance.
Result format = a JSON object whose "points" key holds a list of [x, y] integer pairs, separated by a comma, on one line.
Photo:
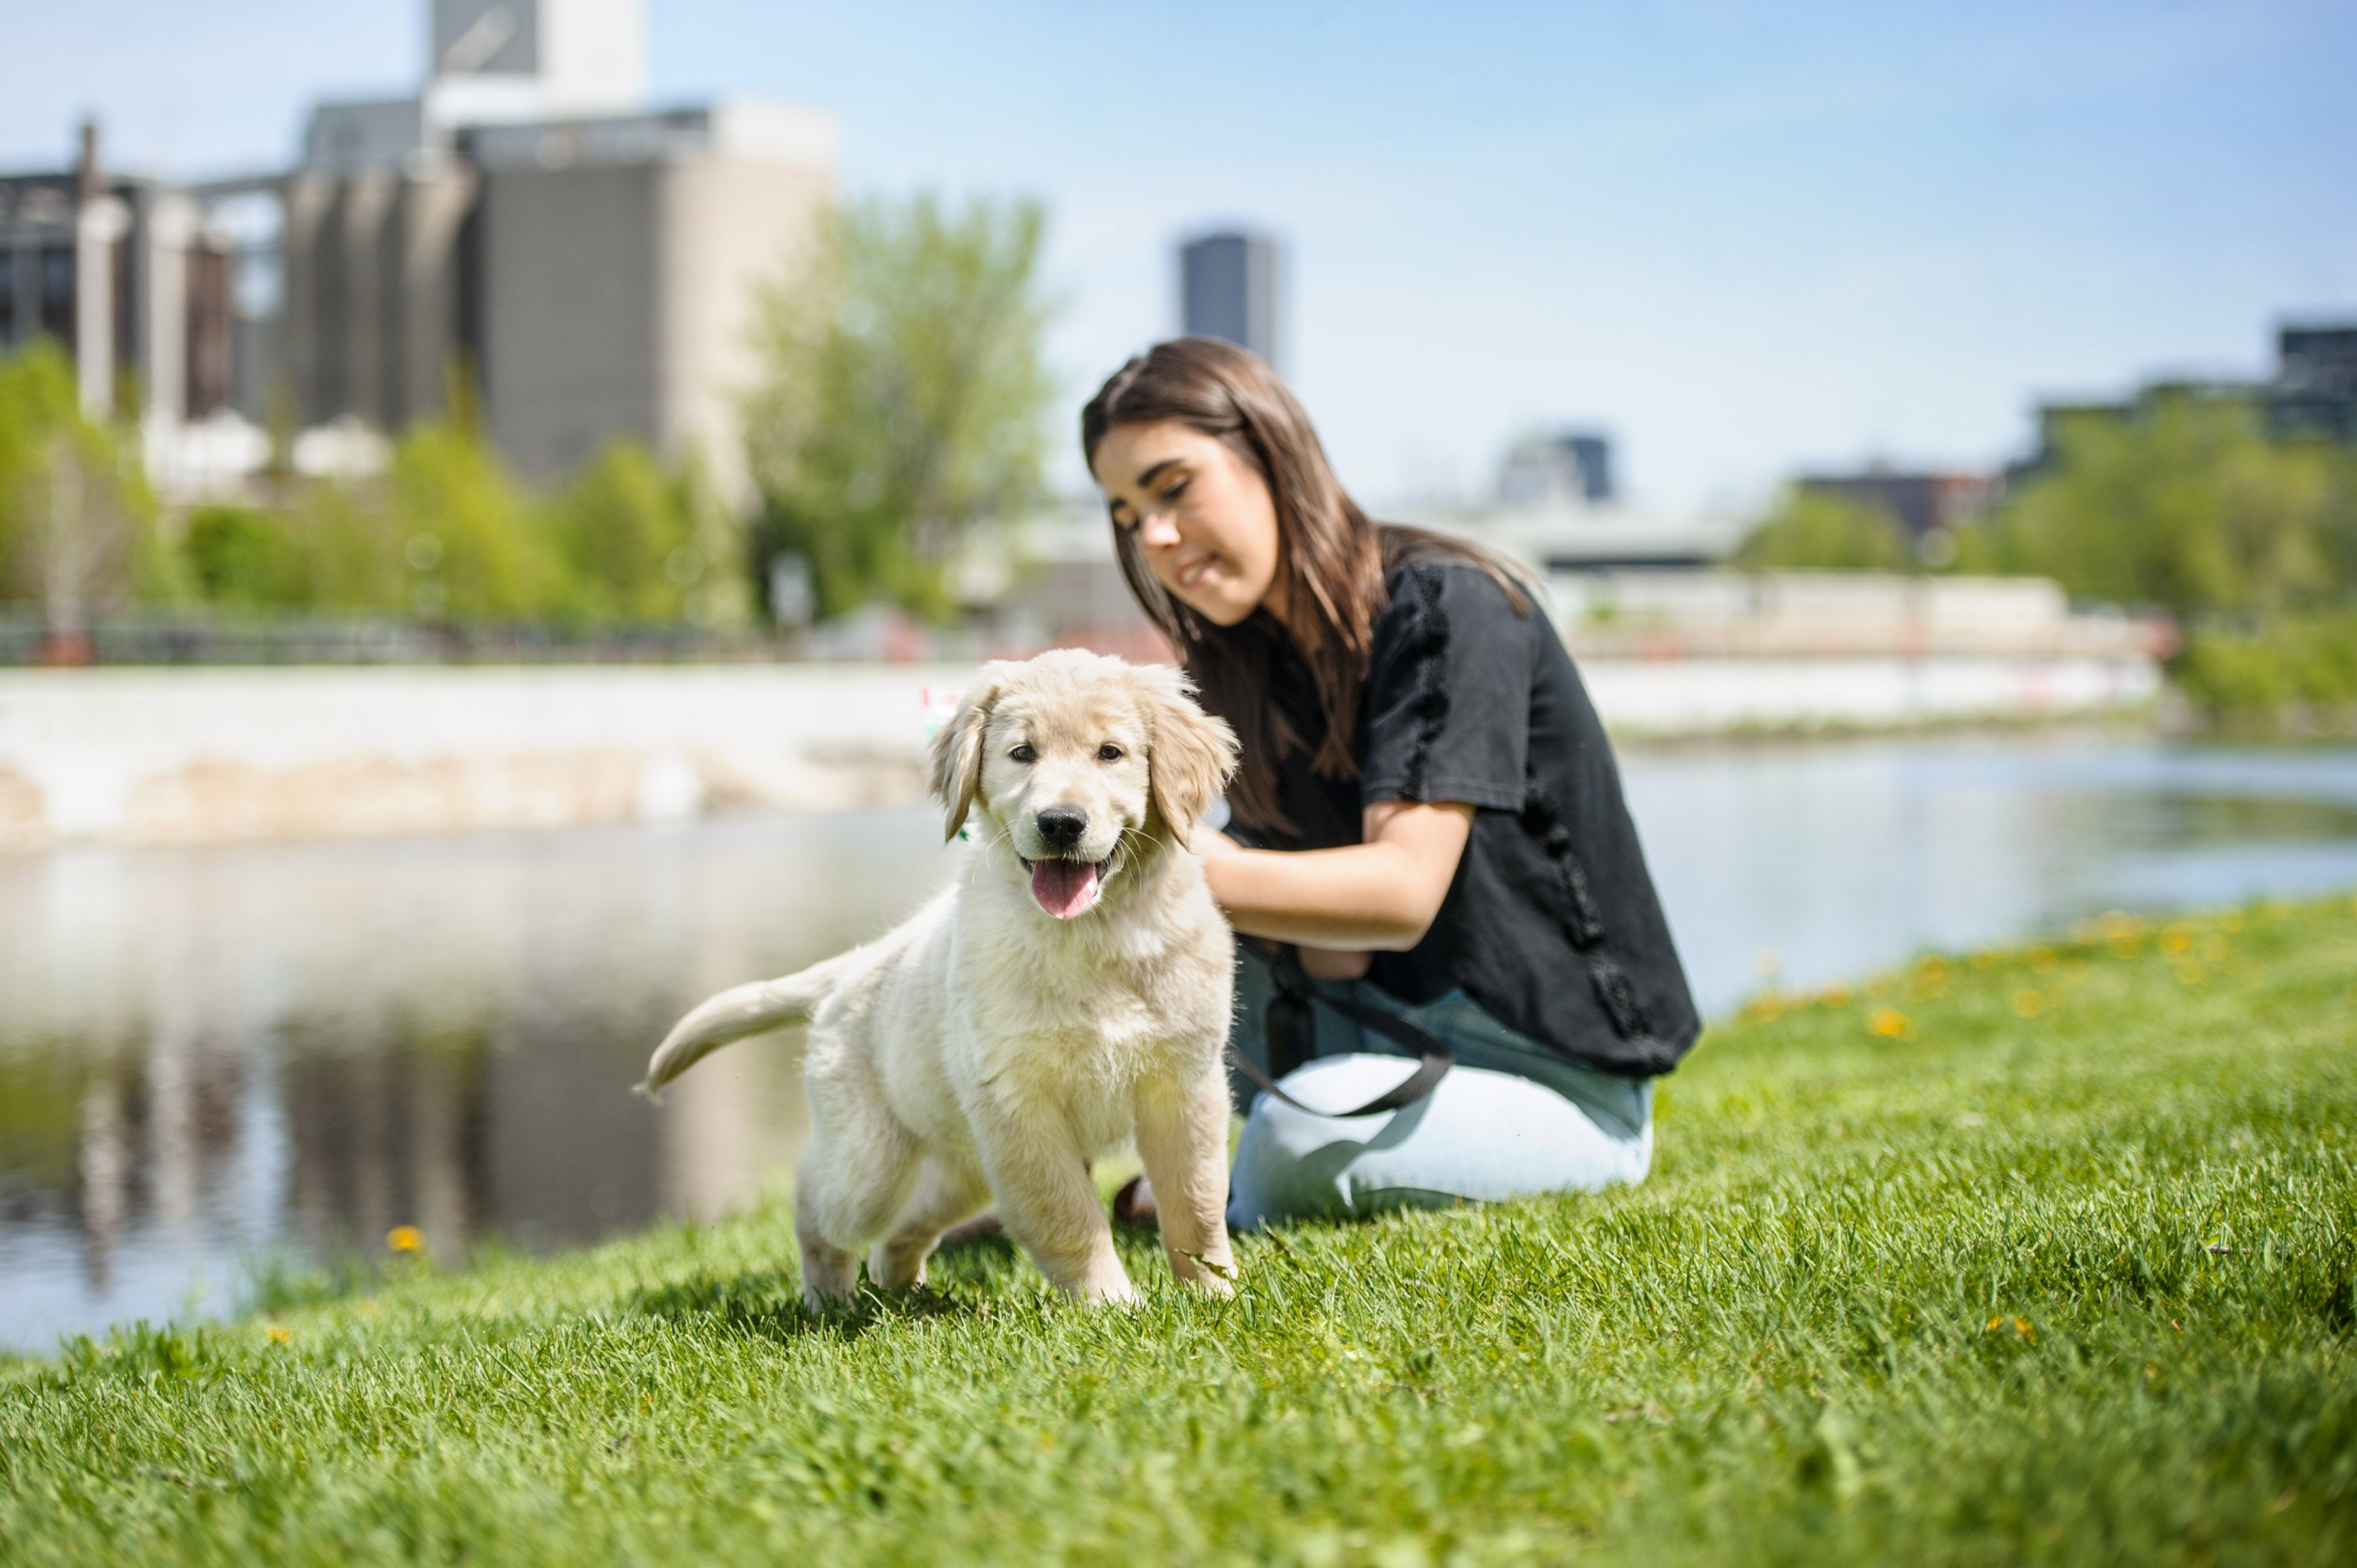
{"points": [[158, 639]]}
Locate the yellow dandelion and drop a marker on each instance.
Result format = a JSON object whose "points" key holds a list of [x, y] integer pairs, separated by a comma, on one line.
{"points": [[2216, 947], [1993, 1322], [1890, 1024], [2176, 940], [2021, 1327], [2028, 1002], [1982, 959], [2041, 959], [1835, 995], [406, 1238], [277, 1335]]}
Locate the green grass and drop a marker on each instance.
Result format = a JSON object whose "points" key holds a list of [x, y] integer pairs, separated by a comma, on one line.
{"points": [[2044, 1255]]}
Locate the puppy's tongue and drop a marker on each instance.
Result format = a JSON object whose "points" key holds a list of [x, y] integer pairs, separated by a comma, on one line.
{"points": [[1064, 887]]}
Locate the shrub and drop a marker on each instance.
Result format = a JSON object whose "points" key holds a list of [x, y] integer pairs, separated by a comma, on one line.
{"points": [[2306, 661], [1823, 533], [243, 557]]}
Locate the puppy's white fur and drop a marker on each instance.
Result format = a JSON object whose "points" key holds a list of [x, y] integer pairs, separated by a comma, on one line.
{"points": [[987, 1049]]}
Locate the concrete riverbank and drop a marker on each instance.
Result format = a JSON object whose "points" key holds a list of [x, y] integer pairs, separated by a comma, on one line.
{"points": [[222, 756]]}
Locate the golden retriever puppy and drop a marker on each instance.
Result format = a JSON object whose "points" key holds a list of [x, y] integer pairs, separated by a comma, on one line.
{"points": [[1069, 992]]}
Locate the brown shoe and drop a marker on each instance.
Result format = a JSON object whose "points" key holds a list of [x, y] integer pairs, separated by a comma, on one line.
{"points": [[1133, 1204]]}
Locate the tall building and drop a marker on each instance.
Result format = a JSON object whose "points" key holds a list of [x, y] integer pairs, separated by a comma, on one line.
{"points": [[125, 276], [1228, 288], [595, 266]]}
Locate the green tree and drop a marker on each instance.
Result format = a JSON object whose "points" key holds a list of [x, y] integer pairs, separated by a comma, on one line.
{"points": [[356, 554], [469, 533], [1813, 531], [2183, 503], [77, 524], [638, 540], [904, 397]]}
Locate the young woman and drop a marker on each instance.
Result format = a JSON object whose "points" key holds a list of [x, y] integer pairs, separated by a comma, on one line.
{"points": [[1427, 849]]}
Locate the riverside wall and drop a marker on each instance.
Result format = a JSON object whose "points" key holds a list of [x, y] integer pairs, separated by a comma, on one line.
{"points": [[198, 756]]}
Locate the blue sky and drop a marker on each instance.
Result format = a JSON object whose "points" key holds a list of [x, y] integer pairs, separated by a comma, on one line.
{"points": [[1744, 238]]}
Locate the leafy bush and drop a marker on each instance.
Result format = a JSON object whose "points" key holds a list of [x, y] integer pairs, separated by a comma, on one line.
{"points": [[468, 529], [631, 535], [246, 557], [1824, 533], [450, 533], [2310, 661]]}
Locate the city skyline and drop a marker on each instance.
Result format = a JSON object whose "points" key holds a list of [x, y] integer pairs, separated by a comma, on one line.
{"points": [[1744, 243]]}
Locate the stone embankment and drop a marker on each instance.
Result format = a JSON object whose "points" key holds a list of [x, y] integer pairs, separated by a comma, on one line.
{"points": [[149, 757], [219, 756]]}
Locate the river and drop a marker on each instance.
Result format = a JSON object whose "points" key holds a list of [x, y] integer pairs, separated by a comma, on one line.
{"points": [[209, 1059]]}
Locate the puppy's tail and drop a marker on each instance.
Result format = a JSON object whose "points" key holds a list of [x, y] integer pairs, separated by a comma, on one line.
{"points": [[734, 1013]]}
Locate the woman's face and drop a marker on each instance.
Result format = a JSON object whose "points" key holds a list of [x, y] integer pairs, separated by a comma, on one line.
{"points": [[1204, 522]]}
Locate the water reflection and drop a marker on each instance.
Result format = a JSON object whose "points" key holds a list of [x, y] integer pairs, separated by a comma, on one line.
{"points": [[206, 1057]]}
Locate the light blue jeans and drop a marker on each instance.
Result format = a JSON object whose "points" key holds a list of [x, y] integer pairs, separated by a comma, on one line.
{"points": [[1512, 1120]]}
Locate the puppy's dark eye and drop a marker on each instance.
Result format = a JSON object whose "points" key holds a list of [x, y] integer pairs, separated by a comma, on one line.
{"points": [[1108, 753], [1024, 753]]}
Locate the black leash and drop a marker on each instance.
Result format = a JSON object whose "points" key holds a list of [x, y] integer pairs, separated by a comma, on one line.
{"points": [[1290, 1029]]}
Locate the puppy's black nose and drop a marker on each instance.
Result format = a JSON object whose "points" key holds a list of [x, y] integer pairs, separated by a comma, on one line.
{"points": [[1060, 826]]}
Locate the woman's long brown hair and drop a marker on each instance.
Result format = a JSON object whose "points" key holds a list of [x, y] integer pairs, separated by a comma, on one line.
{"points": [[1330, 559]]}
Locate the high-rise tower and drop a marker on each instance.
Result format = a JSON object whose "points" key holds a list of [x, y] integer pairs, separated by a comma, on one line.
{"points": [[1228, 287]]}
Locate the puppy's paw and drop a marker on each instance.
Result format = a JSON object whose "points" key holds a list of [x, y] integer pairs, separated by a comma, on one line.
{"points": [[1208, 1275], [1117, 1292]]}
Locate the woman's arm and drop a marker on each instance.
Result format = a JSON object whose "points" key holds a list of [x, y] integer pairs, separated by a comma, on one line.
{"points": [[1382, 894]]}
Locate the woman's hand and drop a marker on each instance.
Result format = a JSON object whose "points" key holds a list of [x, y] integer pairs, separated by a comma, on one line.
{"points": [[1381, 895]]}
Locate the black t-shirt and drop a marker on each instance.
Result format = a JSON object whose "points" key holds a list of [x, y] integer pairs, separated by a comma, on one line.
{"points": [[1552, 925]]}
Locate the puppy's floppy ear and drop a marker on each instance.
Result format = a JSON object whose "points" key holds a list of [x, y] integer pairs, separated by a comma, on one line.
{"points": [[957, 748], [1192, 755]]}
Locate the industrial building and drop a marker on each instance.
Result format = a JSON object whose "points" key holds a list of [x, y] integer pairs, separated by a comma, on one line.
{"points": [[523, 223], [126, 277]]}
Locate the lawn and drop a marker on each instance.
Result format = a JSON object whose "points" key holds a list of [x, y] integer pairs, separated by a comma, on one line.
{"points": [[2046, 1254]]}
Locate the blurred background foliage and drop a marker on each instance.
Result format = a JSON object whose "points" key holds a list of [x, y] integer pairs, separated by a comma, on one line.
{"points": [[901, 413], [77, 524], [1821, 533], [2182, 502], [2185, 504], [446, 532], [905, 404], [2188, 505]]}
